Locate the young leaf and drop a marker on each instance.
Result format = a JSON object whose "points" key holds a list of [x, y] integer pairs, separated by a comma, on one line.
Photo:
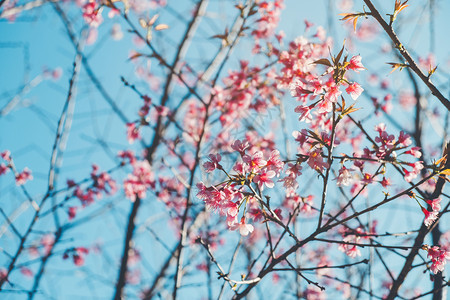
{"points": [[323, 61], [143, 23], [161, 27], [338, 57], [445, 172]]}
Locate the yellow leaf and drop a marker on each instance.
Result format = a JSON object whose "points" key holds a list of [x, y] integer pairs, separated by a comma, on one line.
{"points": [[399, 6], [445, 172], [440, 161], [396, 66]]}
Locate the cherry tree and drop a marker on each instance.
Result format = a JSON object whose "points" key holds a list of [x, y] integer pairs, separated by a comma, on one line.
{"points": [[224, 149]]}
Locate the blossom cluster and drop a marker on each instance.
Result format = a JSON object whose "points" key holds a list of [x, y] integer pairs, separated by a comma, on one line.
{"points": [[438, 258], [228, 197], [78, 255], [351, 237], [21, 177], [141, 179], [102, 183]]}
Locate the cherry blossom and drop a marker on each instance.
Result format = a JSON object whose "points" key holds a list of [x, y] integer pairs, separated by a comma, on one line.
{"points": [[132, 133], [438, 258], [23, 176], [263, 179], [355, 64], [430, 216], [354, 90], [243, 227], [213, 163], [345, 177], [92, 14]]}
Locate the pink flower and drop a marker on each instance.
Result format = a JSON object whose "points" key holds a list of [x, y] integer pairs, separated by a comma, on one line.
{"points": [[264, 179], [354, 90], [213, 163], [367, 178], [128, 154], [325, 106], [241, 168], [78, 255], [91, 14], [430, 216], [21, 178], [255, 161], [414, 151], [345, 177], [132, 133], [72, 212], [162, 111], [409, 176], [321, 33], [3, 169], [351, 250], [355, 64], [438, 258], [244, 228], [274, 162], [333, 94], [6, 155], [385, 182], [26, 272], [435, 204], [139, 181], [240, 146], [305, 113], [315, 161], [3, 274], [289, 182], [404, 139], [47, 242]]}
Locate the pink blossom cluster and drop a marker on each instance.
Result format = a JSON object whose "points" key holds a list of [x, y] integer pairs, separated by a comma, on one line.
{"points": [[171, 192], [246, 89], [132, 132], [21, 177], [238, 191], [438, 258], [101, 183], [141, 179], [78, 255], [387, 148], [45, 243], [350, 237], [192, 122], [92, 13], [300, 74], [311, 148], [269, 18]]}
